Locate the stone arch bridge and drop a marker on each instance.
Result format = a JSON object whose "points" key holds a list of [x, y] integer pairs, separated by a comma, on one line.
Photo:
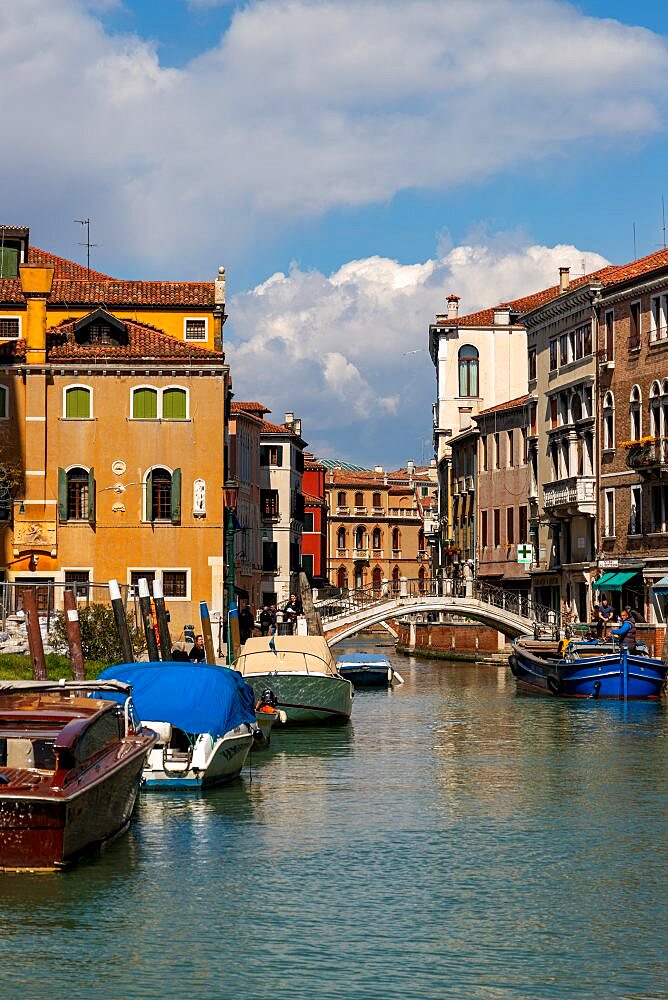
{"points": [[509, 613]]}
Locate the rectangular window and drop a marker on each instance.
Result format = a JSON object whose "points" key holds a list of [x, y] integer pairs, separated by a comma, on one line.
{"points": [[554, 408], [510, 455], [483, 528], [270, 557], [77, 498], [525, 445], [658, 317], [308, 521], [77, 580], [10, 327], [586, 340], [563, 349], [532, 364], [271, 454], [175, 583], [523, 525], [659, 508], [533, 409], [269, 503], [484, 452], [307, 565], [497, 451], [142, 574], [635, 518], [195, 329], [610, 335], [497, 526], [634, 331], [609, 514], [554, 363], [510, 526]]}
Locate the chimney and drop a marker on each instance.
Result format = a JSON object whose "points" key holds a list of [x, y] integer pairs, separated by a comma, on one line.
{"points": [[378, 469], [297, 426], [564, 279], [289, 419], [410, 467], [502, 316], [36, 282], [453, 306]]}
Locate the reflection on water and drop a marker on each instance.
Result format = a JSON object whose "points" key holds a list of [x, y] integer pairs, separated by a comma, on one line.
{"points": [[454, 840]]}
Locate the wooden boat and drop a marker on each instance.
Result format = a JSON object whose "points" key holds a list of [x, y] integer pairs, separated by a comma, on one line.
{"points": [[367, 669], [301, 672], [587, 669], [70, 769], [204, 716]]}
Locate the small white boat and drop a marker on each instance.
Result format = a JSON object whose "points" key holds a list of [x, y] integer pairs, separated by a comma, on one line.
{"points": [[204, 717], [301, 672]]}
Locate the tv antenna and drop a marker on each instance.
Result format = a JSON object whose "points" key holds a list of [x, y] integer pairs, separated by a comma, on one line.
{"points": [[87, 244], [663, 220]]}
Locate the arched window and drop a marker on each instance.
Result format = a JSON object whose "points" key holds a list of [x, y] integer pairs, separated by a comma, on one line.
{"points": [[174, 404], [468, 370], [342, 578], [375, 500], [377, 538], [377, 579], [163, 495], [396, 539], [608, 421], [664, 408], [144, 403], [421, 540], [655, 410], [78, 403], [421, 578], [340, 500], [360, 537], [341, 538], [395, 579], [4, 402], [576, 407], [635, 413], [76, 494], [359, 499]]}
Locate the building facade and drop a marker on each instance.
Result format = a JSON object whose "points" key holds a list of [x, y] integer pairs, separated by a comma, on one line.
{"points": [[314, 535], [244, 437]]}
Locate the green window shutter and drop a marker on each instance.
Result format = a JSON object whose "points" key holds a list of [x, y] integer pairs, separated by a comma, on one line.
{"points": [[91, 496], [176, 496], [62, 495], [77, 403], [174, 404], [145, 404], [149, 497]]}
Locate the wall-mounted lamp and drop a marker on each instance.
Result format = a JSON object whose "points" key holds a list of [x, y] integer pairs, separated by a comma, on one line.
{"points": [[22, 508]]}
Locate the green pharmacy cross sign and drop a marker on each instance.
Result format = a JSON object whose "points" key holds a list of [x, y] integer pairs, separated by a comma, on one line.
{"points": [[525, 553]]}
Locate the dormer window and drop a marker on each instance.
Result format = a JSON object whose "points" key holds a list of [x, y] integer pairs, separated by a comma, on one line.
{"points": [[100, 327]]}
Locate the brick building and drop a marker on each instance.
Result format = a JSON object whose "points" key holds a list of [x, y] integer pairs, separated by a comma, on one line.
{"points": [[314, 535]]}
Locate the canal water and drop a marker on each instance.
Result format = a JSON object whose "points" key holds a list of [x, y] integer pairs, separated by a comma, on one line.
{"points": [[455, 840]]}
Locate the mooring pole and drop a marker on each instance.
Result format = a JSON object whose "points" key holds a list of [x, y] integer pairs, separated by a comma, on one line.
{"points": [[206, 632], [34, 636], [161, 615], [74, 636], [147, 620], [118, 608]]}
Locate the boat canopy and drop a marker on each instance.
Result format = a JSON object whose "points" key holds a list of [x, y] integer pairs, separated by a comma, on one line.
{"points": [[286, 654], [614, 581], [195, 697]]}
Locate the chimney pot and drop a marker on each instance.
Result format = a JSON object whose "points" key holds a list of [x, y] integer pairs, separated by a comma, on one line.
{"points": [[453, 306], [564, 280]]}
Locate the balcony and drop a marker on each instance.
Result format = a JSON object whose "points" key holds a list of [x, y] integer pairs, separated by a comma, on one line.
{"points": [[377, 511], [605, 360], [404, 513], [567, 497], [343, 510], [361, 554], [360, 511], [648, 455]]}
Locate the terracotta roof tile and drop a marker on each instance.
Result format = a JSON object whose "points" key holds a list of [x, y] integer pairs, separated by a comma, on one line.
{"points": [[508, 405], [63, 268], [145, 343], [252, 407]]}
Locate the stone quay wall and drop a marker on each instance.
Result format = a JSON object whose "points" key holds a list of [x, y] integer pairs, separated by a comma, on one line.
{"points": [[465, 641]]}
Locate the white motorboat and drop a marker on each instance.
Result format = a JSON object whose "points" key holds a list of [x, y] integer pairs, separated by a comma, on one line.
{"points": [[301, 672], [204, 717]]}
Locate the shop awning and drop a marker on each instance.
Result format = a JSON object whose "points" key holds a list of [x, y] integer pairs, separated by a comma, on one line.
{"points": [[661, 586], [615, 581], [603, 581]]}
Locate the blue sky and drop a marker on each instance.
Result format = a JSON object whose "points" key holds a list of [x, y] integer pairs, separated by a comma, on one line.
{"points": [[350, 162]]}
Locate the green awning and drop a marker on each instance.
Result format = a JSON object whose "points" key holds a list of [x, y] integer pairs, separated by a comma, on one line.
{"points": [[661, 586], [620, 579], [603, 581]]}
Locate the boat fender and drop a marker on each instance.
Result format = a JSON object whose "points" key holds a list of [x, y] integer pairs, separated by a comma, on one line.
{"points": [[555, 683]]}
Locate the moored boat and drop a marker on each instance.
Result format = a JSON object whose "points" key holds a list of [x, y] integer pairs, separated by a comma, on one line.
{"points": [[70, 768], [301, 672], [587, 669], [367, 669], [204, 716]]}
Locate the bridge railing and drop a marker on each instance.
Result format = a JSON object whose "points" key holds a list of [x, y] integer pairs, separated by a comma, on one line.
{"points": [[347, 601]]}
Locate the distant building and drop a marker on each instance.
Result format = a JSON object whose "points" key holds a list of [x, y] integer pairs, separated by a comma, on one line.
{"points": [[245, 427], [314, 535], [376, 526]]}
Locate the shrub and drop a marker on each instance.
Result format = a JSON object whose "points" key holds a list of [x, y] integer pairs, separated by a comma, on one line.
{"points": [[99, 637]]}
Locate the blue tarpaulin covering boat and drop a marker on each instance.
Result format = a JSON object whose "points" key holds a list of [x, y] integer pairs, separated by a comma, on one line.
{"points": [[197, 698]]}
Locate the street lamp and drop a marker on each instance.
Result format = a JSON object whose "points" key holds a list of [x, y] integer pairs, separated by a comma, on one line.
{"points": [[231, 493]]}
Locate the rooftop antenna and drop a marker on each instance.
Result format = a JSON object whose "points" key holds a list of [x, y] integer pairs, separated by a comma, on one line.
{"points": [[87, 244], [663, 220]]}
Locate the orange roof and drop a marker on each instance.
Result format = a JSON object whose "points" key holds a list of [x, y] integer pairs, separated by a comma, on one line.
{"points": [[508, 405], [252, 408], [63, 268]]}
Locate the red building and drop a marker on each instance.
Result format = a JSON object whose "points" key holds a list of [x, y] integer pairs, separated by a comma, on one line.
{"points": [[314, 535]]}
